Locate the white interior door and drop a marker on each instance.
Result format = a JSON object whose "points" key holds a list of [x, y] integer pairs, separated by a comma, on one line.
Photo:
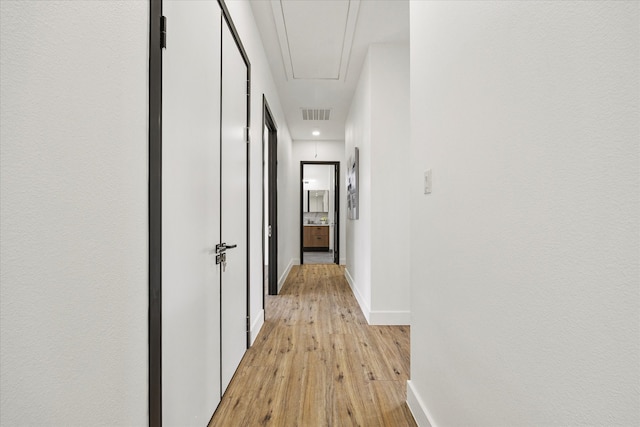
{"points": [[191, 213], [233, 206]]}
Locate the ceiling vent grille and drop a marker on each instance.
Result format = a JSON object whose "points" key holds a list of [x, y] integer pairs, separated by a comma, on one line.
{"points": [[316, 114]]}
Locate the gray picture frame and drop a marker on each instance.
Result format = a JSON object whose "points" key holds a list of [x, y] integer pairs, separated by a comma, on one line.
{"points": [[353, 177]]}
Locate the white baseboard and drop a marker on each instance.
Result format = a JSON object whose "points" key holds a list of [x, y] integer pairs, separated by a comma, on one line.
{"points": [[256, 326], [377, 317], [390, 318], [364, 307], [343, 261], [283, 277], [419, 410]]}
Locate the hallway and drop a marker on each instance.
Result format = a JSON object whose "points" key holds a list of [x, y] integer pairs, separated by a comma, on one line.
{"points": [[489, 148], [316, 362]]}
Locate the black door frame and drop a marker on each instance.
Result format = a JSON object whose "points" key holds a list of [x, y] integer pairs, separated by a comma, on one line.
{"points": [[336, 243], [156, 36], [270, 217], [155, 214]]}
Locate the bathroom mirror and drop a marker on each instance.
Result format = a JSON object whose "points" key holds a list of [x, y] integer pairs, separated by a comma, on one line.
{"points": [[318, 201]]}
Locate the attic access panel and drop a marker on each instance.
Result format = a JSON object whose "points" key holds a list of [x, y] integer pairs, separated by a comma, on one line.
{"points": [[315, 37]]}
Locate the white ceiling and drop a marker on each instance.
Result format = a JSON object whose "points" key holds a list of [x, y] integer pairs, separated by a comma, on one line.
{"points": [[316, 49]]}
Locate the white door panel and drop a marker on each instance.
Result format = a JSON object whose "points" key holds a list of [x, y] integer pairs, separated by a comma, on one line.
{"points": [[234, 206], [191, 213]]}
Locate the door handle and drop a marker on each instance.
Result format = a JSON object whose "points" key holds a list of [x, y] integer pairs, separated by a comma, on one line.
{"points": [[223, 247]]}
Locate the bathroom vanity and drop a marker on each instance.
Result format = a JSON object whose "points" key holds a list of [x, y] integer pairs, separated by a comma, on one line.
{"points": [[316, 237]]}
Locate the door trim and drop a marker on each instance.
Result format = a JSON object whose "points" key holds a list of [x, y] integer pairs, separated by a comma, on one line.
{"points": [[336, 245], [269, 122], [155, 216]]}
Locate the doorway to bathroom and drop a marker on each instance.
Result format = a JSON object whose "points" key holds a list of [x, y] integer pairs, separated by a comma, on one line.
{"points": [[319, 212]]}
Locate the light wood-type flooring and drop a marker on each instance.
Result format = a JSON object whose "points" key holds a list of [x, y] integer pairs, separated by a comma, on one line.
{"points": [[316, 362]]}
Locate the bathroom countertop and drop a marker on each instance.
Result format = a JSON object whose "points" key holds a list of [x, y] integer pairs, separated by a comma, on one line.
{"points": [[316, 225]]}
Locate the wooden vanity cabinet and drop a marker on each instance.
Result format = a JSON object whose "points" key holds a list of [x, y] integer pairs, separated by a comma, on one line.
{"points": [[316, 238]]}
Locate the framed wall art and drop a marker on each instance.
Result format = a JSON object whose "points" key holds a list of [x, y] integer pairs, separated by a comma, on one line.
{"points": [[353, 208]]}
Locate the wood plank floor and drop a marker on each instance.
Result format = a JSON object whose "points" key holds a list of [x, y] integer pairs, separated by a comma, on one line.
{"points": [[316, 362]]}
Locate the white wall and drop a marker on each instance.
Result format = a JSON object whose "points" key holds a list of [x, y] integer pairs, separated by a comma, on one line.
{"points": [[389, 187], [262, 83], [318, 176], [524, 259], [73, 293], [327, 151], [378, 242], [358, 236]]}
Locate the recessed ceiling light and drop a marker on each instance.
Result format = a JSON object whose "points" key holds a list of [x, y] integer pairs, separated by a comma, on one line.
{"points": [[315, 133]]}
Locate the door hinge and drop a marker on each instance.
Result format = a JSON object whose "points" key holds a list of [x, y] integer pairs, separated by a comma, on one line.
{"points": [[248, 324], [246, 134], [163, 32]]}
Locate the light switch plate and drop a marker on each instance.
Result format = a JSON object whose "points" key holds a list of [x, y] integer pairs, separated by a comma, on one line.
{"points": [[428, 181]]}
